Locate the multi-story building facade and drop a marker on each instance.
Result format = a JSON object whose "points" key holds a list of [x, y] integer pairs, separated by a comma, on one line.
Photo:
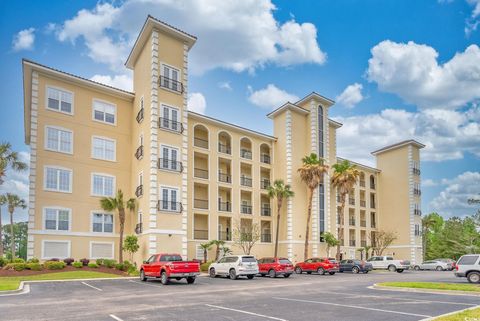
{"points": [[195, 178]]}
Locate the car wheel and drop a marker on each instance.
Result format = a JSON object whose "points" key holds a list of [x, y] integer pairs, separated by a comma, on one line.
{"points": [[191, 280], [331, 273], [399, 270], [416, 268], [286, 275], [473, 277], [212, 273], [355, 270], [250, 276], [309, 272], [232, 274], [321, 271], [142, 276], [392, 268], [164, 278], [298, 270], [366, 272], [272, 274], [439, 268]]}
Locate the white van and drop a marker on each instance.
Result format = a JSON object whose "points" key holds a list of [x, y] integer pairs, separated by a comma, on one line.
{"points": [[234, 266]]}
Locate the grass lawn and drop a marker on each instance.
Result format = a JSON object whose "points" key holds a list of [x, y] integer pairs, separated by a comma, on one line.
{"points": [[434, 286], [12, 283], [469, 315]]}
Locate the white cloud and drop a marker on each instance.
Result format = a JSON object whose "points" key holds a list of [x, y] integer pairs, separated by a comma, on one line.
{"points": [[225, 85], [471, 24], [452, 201], [412, 72], [429, 182], [270, 97], [197, 103], [235, 35], [24, 40], [124, 82], [351, 96]]}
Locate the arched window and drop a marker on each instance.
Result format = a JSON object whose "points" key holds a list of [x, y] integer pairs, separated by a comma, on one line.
{"points": [[372, 182]]}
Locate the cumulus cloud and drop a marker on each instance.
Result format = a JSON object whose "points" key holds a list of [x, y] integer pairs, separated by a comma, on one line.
{"points": [[350, 96], [24, 40], [270, 97], [453, 200], [124, 82], [225, 85], [197, 103], [234, 35], [472, 22], [412, 72]]}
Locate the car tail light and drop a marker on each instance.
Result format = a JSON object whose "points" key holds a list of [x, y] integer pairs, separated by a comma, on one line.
{"points": [[456, 267]]}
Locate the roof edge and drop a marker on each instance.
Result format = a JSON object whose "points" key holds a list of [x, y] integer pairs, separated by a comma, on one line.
{"points": [[398, 145], [360, 165]]}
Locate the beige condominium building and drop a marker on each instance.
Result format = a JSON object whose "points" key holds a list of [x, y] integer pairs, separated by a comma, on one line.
{"points": [[195, 178]]}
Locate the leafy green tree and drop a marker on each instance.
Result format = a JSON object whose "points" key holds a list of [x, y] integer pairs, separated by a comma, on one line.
{"points": [[13, 202], [330, 240], [3, 201], [20, 239], [218, 244], [205, 247], [131, 245]]}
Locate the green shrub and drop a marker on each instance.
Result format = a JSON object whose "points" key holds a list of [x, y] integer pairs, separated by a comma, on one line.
{"points": [[120, 267], [54, 265], [100, 262], [3, 262], [204, 266], [132, 271], [127, 264], [33, 260], [78, 265], [34, 266], [93, 265], [18, 260], [15, 266], [109, 263]]}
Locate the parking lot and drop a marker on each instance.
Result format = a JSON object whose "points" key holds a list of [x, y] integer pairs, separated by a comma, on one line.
{"points": [[301, 297]]}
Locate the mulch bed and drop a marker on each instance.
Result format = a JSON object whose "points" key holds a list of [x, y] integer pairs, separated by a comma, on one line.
{"points": [[66, 269]]}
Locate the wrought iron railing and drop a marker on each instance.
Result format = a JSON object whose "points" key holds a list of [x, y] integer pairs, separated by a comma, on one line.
{"points": [[246, 209], [139, 152], [224, 206], [171, 84], [200, 142], [200, 203], [222, 148], [170, 124], [200, 173], [224, 178], [169, 206], [200, 234], [169, 164], [245, 181], [139, 116], [246, 153], [139, 191], [264, 158]]}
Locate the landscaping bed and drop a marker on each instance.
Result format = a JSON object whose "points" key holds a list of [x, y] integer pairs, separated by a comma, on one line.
{"points": [[103, 269], [472, 315], [434, 286]]}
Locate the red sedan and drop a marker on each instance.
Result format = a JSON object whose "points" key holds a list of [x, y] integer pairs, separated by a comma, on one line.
{"points": [[275, 266], [319, 265]]}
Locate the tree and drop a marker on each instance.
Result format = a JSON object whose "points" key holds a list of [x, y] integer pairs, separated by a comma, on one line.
{"points": [[9, 158], [367, 249], [117, 203], [20, 239], [330, 240], [13, 202], [3, 201], [344, 178], [246, 236], [226, 251], [131, 245], [218, 244], [205, 247], [381, 240], [428, 223], [280, 191], [311, 173]]}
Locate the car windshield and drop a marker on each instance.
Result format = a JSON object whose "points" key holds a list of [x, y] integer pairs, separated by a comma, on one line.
{"points": [[248, 259], [284, 261]]}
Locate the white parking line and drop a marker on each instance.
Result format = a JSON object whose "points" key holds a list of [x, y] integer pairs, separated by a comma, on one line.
{"points": [[354, 307], [93, 287], [145, 283], [246, 312], [115, 317]]}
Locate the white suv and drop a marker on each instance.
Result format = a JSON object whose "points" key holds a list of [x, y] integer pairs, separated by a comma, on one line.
{"points": [[469, 266], [234, 266]]}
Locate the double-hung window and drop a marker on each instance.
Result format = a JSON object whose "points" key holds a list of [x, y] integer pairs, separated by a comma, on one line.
{"points": [[103, 148], [57, 219], [169, 159], [102, 223], [58, 179], [60, 100], [168, 200], [169, 118], [171, 78], [104, 112], [58, 140], [103, 185]]}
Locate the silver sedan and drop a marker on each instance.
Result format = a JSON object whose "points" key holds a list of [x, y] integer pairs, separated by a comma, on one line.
{"points": [[432, 265]]}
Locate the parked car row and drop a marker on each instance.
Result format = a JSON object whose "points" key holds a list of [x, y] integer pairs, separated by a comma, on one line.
{"points": [[436, 265]]}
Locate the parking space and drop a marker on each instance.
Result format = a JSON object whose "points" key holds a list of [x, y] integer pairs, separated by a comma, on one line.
{"points": [[312, 297]]}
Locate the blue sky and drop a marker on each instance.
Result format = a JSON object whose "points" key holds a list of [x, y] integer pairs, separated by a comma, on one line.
{"points": [[397, 69]]}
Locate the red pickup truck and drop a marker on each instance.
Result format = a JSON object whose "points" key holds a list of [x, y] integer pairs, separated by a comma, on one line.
{"points": [[169, 266]]}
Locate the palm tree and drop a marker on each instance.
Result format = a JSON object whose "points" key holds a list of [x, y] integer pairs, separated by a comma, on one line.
{"points": [[344, 178], [330, 240], [3, 201], [13, 201], [311, 173], [281, 192], [218, 244], [117, 203], [9, 158], [205, 247]]}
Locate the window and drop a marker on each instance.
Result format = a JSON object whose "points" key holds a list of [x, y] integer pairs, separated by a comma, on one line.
{"points": [[103, 185], [60, 100], [58, 140], [169, 118], [170, 78], [168, 158], [102, 250], [58, 179], [55, 249], [104, 112], [468, 260], [417, 230], [102, 223], [57, 219], [169, 199], [103, 148]]}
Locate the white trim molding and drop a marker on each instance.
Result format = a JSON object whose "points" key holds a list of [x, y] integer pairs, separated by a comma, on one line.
{"points": [[69, 233], [152, 174], [288, 127]]}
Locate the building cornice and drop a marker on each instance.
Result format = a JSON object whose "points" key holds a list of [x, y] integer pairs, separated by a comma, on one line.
{"points": [[411, 142], [373, 169]]}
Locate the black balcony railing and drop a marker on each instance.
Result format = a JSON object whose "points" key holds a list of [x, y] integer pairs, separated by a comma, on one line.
{"points": [[200, 234], [362, 183], [416, 171], [363, 223], [372, 204], [224, 236], [170, 124], [169, 164], [363, 203], [200, 142], [265, 158], [171, 84], [373, 224], [264, 183], [246, 153], [200, 173], [166, 205], [372, 185], [246, 209], [224, 178], [224, 206], [245, 181], [351, 201], [139, 116], [417, 191], [138, 228], [266, 238], [139, 191], [266, 210], [351, 221], [200, 203], [139, 152], [222, 148], [363, 243], [352, 242], [417, 212]]}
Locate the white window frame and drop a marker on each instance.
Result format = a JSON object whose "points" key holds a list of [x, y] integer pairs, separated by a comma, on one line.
{"points": [[169, 119], [46, 167], [170, 148], [92, 192], [47, 127], [103, 121], [107, 139], [57, 208], [56, 241], [169, 201], [163, 64], [97, 242], [59, 110], [92, 213]]}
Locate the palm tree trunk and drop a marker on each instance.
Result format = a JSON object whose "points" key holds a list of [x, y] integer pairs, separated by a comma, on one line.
{"points": [[1, 243], [340, 226], [204, 255], [279, 207], [217, 252], [121, 215], [307, 231], [12, 243]]}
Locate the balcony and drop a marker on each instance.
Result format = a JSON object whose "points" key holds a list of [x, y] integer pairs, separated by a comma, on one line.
{"points": [[265, 158], [200, 234], [266, 238], [246, 181], [139, 191], [373, 224], [246, 209], [170, 84], [224, 236], [416, 171], [372, 204], [225, 149], [372, 185], [171, 165], [139, 152], [200, 203], [138, 228], [200, 173], [338, 199], [245, 153], [351, 221], [363, 243], [266, 210], [139, 117], [417, 191], [224, 206], [168, 206], [351, 201], [264, 183], [170, 124], [362, 183], [339, 219], [363, 203], [363, 223], [417, 212], [224, 178], [352, 242], [200, 142]]}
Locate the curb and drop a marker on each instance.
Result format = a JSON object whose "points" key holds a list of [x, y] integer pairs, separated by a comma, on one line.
{"points": [[431, 291], [450, 313]]}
